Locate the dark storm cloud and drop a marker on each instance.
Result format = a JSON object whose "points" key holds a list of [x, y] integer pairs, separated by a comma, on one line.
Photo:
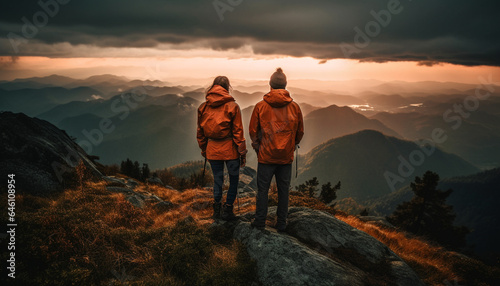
{"points": [[427, 31]]}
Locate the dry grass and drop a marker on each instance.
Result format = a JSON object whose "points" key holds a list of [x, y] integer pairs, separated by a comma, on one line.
{"points": [[89, 236], [196, 203], [436, 265], [82, 235]]}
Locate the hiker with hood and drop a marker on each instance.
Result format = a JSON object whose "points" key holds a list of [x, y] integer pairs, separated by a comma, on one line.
{"points": [[276, 128], [221, 139]]}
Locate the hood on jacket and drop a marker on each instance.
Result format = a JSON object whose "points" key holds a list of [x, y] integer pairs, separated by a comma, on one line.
{"points": [[217, 96], [278, 97]]}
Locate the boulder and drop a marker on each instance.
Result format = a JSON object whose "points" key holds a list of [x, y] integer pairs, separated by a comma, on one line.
{"points": [[329, 233], [133, 183], [247, 185], [319, 249], [136, 201], [245, 181], [404, 275], [115, 181], [283, 260], [248, 171], [42, 157], [153, 198], [163, 206], [155, 181]]}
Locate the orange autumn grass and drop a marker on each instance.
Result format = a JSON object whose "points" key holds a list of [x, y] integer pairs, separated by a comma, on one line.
{"points": [[434, 264], [196, 203], [97, 232]]}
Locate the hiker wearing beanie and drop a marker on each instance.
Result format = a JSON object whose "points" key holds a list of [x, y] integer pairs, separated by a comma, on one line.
{"points": [[221, 140], [276, 127]]}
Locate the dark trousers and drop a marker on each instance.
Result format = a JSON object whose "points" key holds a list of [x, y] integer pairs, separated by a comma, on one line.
{"points": [[283, 175], [233, 168]]}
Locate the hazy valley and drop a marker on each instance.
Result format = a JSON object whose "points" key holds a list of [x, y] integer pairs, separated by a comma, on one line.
{"points": [[374, 137]]}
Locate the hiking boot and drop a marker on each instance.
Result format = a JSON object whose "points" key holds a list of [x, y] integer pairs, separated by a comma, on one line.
{"points": [[257, 226], [280, 228], [217, 208], [227, 213]]}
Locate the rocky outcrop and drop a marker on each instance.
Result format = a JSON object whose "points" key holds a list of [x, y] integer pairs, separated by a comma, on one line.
{"points": [[328, 233], [377, 220], [155, 181], [319, 249], [137, 197], [247, 186], [42, 157], [137, 200], [283, 260]]}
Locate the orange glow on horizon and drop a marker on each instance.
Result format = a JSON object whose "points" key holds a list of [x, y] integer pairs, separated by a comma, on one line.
{"points": [[171, 68]]}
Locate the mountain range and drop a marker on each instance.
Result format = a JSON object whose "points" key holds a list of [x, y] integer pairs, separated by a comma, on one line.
{"points": [[361, 162], [333, 121], [365, 139], [163, 115], [474, 135]]}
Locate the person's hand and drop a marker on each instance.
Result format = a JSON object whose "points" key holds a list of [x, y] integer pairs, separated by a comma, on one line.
{"points": [[243, 160], [256, 147]]}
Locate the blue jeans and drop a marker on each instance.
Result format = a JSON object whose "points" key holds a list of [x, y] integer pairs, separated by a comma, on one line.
{"points": [[233, 168]]}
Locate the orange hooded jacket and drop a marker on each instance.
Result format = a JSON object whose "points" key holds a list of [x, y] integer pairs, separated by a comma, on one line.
{"points": [[220, 129], [276, 127]]}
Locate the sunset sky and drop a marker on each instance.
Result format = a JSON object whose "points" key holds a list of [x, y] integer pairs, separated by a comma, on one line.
{"points": [[325, 40]]}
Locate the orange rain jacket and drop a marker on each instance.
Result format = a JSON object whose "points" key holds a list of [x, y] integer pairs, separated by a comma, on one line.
{"points": [[220, 129], [276, 127]]}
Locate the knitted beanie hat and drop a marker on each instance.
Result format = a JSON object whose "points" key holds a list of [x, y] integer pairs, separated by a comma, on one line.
{"points": [[278, 79]]}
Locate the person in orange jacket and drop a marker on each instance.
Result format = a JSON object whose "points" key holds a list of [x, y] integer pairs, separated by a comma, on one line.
{"points": [[221, 139], [276, 128]]}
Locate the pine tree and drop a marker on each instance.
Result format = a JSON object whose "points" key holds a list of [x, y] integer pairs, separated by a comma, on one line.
{"points": [[309, 187], [145, 172], [136, 171], [127, 167], [329, 193], [427, 213]]}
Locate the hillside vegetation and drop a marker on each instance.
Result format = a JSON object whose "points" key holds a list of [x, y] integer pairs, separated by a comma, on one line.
{"points": [[95, 237]]}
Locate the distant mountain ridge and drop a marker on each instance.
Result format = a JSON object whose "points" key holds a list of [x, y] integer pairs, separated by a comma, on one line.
{"points": [[159, 131], [106, 84], [360, 161], [114, 105], [32, 101], [330, 122], [474, 136]]}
